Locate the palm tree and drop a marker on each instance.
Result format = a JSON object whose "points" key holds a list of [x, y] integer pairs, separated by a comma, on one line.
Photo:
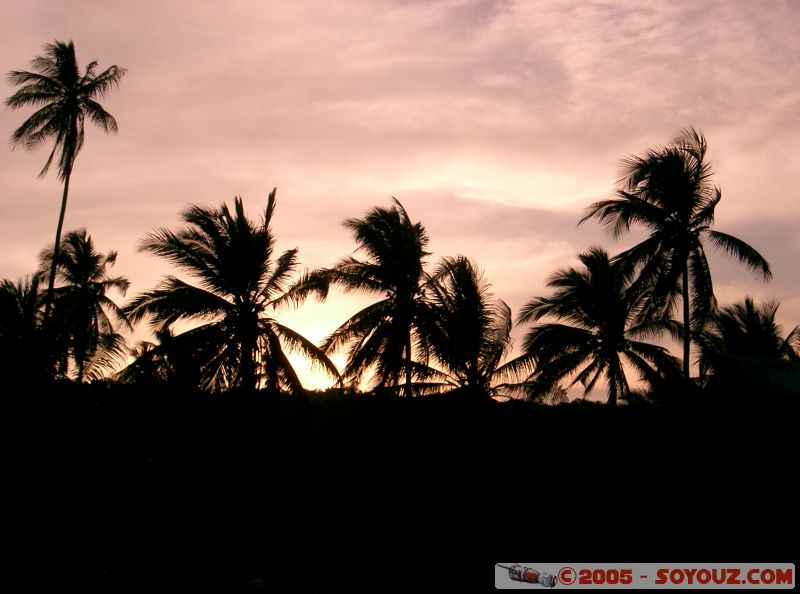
{"points": [[238, 284], [169, 360], [467, 330], [86, 317], [669, 191], [745, 329], [21, 342], [382, 335], [64, 97], [151, 361], [600, 304]]}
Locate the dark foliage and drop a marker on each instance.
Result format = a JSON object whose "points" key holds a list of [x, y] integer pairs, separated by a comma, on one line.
{"points": [[24, 351], [603, 331], [64, 97], [86, 321], [237, 284], [669, 192], [380, 339], [467, 331]]}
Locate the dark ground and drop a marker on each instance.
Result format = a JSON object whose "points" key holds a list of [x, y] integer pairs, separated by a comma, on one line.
{"points": [[125, 489]]}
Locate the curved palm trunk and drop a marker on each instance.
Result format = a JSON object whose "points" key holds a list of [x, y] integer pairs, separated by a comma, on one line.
{"points": [[687, 334], [52, 282]]}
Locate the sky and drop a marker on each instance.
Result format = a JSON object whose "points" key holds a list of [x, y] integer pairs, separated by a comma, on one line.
{"points": [[495, 124]]}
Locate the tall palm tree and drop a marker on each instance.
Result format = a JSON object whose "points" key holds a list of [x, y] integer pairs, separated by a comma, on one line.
{"points": [[669, 191], [600, 304], [382, 335], [86, 317], [239, 286], [467, 330], [64, 97], [746, 329]]}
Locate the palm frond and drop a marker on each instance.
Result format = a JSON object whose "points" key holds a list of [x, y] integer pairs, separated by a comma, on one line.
{"points": [[518, 369], [359, 325], [107, 356], [742, 251], [172, 300], [315, 283], [284, 267], [617, 215], [298, 343]]}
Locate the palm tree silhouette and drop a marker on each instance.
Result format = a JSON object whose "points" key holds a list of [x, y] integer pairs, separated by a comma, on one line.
{"points": [[169, 360], [21, 343], [467, 330], [744, 329], [382, 335], [669, 191], [239, 282], [84, 314], [152, 361], [601, 306], [64, 97]]}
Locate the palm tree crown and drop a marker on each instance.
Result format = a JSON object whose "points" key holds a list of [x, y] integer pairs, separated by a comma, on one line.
{"points": [[382, 335], [64, 97], [162, 362], [601, 309], [748, 330], [21, 343], [669, 192], [468, 331], [87, 319], [238, 284]]}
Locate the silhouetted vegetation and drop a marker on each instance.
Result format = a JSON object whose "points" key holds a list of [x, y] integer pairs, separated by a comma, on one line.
{"points": [[744, 339], [669, 192], [466, 329], [749, 330], [603, 307], [196, 462], [65, 97], [381, 337], [239, 283], [86, 321], [23, 353]]}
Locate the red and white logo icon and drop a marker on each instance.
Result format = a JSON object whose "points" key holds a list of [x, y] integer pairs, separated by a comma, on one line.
{"points": [[567, 576]]}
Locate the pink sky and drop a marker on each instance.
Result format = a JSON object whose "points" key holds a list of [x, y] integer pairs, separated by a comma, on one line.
{"points": [[495, 123]]}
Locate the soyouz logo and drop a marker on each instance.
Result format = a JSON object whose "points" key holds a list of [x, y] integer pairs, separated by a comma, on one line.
{"points": [[520, 573], [652, 576]]}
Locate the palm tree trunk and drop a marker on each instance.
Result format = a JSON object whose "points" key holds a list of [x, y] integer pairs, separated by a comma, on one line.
{"points": [[613, 382], [248, 378], [687, 333], [408, 391], [52, 282]]}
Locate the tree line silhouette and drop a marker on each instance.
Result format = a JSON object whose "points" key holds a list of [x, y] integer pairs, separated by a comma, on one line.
{"points": [[161, 466], [430, 330]]}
